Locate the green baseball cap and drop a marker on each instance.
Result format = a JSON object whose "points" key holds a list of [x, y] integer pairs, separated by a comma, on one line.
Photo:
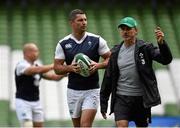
{"points": [[128, 21]]}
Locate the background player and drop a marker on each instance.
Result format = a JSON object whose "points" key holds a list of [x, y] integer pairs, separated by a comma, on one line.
{"points": [[27, 76]]}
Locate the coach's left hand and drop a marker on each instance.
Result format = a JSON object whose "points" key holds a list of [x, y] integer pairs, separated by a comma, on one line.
{"points": [[159, 35]]}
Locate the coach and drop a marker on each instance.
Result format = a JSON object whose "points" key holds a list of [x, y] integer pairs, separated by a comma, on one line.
{"points": [[130, 76]]}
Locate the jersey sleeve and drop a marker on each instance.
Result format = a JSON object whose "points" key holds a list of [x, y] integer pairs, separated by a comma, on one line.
{"points": [[21, 67], [103, 47], [59, 53]]}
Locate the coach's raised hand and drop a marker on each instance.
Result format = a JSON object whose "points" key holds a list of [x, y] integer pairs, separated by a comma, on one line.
{"points": [[159, 35]]}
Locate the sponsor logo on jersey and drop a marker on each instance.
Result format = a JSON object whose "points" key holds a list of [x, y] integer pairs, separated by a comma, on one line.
{"points": [[89, 43], [68, 46]]}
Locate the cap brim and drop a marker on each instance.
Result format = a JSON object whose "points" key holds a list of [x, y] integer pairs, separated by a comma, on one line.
{"points": [[126, 24]]}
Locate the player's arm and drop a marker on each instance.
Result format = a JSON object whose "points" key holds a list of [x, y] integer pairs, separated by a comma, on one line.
{"points": [[52, 76], [61, 69], [38, 69], [94, 66], [105, 54], [105, 61]]}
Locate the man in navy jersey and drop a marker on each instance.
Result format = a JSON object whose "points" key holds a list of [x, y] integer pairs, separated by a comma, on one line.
{"points": [[27, 77], [83, 92]]}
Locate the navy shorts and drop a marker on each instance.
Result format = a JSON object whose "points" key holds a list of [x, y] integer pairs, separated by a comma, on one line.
{"points": [[131, 108]]}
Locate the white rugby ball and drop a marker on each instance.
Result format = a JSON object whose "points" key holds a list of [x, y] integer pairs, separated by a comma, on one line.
{"points": [[84, 62]]}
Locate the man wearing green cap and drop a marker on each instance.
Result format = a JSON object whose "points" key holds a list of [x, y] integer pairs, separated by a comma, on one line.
{"points": [[130, 78]]}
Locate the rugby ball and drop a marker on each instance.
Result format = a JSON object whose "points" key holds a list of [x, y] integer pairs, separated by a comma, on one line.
{"points": [[84, 62]]}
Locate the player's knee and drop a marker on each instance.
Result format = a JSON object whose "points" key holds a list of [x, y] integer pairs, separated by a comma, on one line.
{"points": [[27, 124]]}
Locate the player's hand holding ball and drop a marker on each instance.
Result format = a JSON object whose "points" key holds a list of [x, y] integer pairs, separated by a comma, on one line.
{"points": [[93, 67], [84, 63], [75, 67]]}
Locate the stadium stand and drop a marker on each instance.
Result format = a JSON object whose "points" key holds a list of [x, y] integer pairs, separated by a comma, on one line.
{"points": [[3, 27], [46, 36], [4, 82], [166, 24], [17, 29], [61, 28], [175, 16], [166, 90], [105, 25], [92, 23], [149, 24], [116, 14], [46, 22], [4, 68], [175, 76], [32, 26], [16, 56]]}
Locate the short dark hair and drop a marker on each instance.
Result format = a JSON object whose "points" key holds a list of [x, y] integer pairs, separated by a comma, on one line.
{"points": [[74, 12]]}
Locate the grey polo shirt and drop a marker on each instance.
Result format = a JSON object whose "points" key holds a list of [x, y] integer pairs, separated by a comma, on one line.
{"points": [[129, 83]]}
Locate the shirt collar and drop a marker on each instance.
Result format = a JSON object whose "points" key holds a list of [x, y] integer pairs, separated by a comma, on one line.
{"points": [[79, 41]]}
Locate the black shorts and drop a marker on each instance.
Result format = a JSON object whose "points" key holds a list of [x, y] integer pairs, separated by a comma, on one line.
{"points": [[131, 108]]}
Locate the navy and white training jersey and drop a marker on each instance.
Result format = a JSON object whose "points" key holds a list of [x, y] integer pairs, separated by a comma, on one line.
{"points": [[27, 86], [91, 45]]}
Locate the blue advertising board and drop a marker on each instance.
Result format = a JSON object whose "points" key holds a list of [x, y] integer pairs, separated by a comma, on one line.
{"points": [[162, 121]]}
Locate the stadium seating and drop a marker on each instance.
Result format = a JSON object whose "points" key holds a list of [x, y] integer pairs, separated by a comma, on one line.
{"points": [[16, 56], [92, 22], [17, 29], [61, 27], [3, 27], [167, 26], [5, 72], [175, 74], [105, 26], [46, 25], [175, 15], [117, 14], [32, 26], [149, 24]]}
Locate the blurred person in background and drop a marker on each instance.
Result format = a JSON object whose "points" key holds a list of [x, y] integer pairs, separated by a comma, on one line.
{"points": [[130, 78], [82, 92], [27, 77]]}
